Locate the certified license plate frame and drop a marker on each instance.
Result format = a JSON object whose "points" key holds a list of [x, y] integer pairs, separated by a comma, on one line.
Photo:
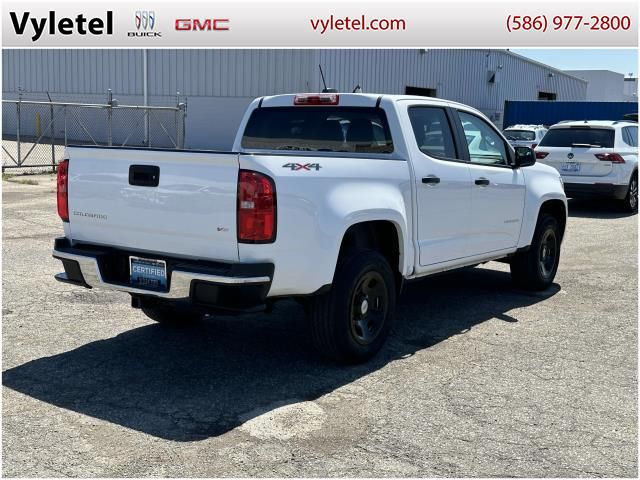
{"points": [[153, 277]]}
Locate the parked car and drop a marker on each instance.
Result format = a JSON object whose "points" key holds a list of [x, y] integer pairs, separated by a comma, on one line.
{"points": [[596, 158], [525, 135], [332, 199]]}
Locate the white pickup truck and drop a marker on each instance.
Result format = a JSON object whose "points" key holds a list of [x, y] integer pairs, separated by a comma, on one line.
{"points": [[332, 199]]}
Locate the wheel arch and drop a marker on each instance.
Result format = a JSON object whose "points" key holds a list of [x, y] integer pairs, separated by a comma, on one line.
{"points": [[383, 235], [558, 209]]}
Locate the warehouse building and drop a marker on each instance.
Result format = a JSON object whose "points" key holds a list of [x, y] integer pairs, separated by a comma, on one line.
{"points": [[219, 84], [607, 86]]}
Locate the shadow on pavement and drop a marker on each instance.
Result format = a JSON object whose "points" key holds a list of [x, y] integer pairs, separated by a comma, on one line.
{"points": [[601, 208], [190, 384]]}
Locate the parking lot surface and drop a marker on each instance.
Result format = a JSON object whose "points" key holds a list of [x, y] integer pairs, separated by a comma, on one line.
{"points": [[478, 379]]}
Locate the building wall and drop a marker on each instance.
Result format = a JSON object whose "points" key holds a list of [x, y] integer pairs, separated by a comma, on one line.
{"points": [[219, 84], [631, 89], [207, 73], [460, 75], [550, 113], [603, 86]]}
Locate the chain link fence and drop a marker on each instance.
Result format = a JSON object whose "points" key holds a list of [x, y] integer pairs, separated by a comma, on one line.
{"points": [[35, 133]]}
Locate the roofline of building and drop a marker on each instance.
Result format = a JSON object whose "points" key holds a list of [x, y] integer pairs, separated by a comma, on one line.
{"points": [[587, 70], [540, 64]]}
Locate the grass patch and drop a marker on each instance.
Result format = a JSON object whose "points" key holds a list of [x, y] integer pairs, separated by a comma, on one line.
{"points": [[17, 179]]}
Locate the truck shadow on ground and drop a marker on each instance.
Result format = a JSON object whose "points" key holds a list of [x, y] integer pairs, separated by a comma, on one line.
{"points": [[191, 384], [602, 208]]}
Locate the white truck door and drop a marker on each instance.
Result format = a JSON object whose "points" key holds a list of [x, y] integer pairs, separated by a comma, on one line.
{"points": [[497, 198], [443, 186]]}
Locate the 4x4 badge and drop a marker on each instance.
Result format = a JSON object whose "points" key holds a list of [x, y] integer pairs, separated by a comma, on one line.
{"points": [[302, 166]]}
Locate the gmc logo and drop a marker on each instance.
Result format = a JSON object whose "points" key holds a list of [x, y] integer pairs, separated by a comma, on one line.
{"points": [[188, 24]]}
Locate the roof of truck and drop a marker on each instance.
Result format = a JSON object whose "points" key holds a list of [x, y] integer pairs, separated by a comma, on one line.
{"points": [[354, 99]]}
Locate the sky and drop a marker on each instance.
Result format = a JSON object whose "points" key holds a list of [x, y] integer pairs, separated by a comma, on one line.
{"points": [[621, 60]]}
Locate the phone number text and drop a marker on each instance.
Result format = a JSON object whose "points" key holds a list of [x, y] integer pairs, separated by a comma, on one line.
{"points": [[544, 23]]}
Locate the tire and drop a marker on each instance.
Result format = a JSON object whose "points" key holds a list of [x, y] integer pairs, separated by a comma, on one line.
{"points": [[167, 314], [536, 268], [351, 322], [630, 202]]}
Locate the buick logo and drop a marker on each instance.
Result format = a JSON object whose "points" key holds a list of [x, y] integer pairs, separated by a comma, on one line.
{"points": [[145, 19], [145, 22], [570, 155]]}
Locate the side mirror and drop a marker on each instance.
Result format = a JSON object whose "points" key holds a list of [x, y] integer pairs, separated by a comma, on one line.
{"points": [[525, 157]]}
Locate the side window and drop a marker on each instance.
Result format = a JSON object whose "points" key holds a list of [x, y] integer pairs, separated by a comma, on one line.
{"points": [[630, 136], [485, 146], [432, 131]]}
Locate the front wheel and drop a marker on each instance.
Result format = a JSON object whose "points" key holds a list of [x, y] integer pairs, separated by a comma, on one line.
{"points": [[351, 322], [536, 268]]}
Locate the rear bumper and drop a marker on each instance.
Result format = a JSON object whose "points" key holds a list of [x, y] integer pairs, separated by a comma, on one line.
{"points": [[205, 284], [595, 190]]}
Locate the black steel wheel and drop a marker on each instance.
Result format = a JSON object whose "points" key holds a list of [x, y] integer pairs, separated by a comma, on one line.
{"points": [[535, 268], [547, 253], [351, 322], [369, 303]]}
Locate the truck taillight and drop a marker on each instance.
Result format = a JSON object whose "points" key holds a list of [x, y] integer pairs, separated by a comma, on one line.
{"points": [[541, 155], [610, 157], [62, 190], [256, 208], [327, 99]]}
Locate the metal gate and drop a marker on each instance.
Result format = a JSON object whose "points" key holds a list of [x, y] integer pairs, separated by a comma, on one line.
{"points": [[34, 133]]}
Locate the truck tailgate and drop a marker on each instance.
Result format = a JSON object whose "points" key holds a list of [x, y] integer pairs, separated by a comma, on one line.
{"points": [[189, 210]]}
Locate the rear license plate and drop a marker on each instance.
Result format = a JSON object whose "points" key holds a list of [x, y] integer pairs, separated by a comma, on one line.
{"points": [[570, 167], [147, 273]]}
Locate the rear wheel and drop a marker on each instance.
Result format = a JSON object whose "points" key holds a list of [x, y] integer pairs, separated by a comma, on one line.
{"points": [[352, 321], [630, 202], [168, 314], [536, 268]]}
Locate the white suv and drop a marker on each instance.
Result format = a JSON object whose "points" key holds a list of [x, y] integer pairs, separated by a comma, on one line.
{"points": [[525, 135], [596, 158]]}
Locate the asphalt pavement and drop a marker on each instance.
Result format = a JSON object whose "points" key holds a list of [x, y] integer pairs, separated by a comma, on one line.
{"points": [[478, 378]]}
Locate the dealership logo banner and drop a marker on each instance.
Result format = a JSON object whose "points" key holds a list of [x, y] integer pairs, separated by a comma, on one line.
{"points": [[355, 23], [27, 25]]}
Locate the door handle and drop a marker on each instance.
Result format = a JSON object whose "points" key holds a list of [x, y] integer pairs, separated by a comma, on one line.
{"points": [[483, 182], [431, 180], [144, 175]]}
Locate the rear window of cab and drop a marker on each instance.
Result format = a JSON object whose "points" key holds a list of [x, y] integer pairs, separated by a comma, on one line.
{"points": [[318, 129], [587, 137]]}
